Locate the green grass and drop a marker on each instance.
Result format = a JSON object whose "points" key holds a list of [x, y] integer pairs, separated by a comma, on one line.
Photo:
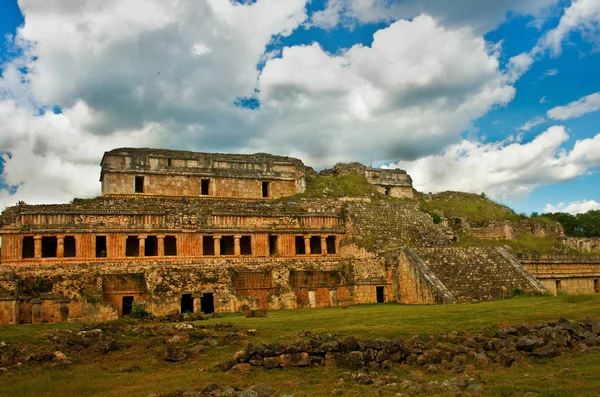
{"points": [[524, 243], [138, 369], [347, 185], [476, 208]]}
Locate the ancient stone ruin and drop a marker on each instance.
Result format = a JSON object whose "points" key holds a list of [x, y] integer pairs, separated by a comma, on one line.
{"points": [[206, 232]]}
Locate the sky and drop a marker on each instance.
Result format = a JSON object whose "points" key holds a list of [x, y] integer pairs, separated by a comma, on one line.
{"points": [[482, 96]]}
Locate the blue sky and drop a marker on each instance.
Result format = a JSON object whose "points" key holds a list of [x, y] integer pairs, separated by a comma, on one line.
{"points": [[494, 97]]}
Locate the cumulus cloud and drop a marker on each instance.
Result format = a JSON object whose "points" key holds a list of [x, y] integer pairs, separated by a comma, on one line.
{"points": [[144, 74], [581, 16], [395, 99], [532, 123], [573, 207], [480, 15], [505, 170], [587, 104]]}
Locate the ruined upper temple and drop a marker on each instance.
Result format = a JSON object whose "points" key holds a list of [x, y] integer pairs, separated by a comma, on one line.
{"points": [[206, 232]]}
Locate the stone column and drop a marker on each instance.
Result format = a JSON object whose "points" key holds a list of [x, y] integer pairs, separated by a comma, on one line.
{"points": [[323, 245], [236, 245], [307, 245], [37, 241], [142, 245], [161, 244], [36, 311], [60, 246], [217, 242]]}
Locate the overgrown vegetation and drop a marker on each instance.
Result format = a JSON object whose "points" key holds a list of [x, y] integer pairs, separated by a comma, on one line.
{"points": [[477, 208], [138, 310], [337, 186], [524, 243], [138, 367], [580, 225]]}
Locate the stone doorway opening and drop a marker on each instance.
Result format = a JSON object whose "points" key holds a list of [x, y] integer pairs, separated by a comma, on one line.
{"points": [[380, 291], [207, 303], [187, 303], [127, 305]]}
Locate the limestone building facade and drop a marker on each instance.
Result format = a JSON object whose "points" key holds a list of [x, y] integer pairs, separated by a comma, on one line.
{"points": [[205, 232]]}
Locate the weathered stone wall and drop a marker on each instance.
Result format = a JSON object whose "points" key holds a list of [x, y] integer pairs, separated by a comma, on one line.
{"points": [[583, 244], [384, 224], [478, 273], [569, 274], [93, 291]]}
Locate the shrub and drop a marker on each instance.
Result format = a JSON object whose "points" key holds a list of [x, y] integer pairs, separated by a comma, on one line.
{"points": [[517, 292], [436, 218], [138, 310]]}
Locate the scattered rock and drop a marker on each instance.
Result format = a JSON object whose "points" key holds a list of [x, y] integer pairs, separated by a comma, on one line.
{"points": [[175, 353], [242, 368]]}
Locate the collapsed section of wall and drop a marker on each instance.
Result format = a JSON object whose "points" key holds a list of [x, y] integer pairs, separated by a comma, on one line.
{"points": [[475, 274]]}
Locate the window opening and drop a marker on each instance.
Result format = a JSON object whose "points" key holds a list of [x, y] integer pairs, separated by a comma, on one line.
{"points": [[330, 240], [300, 249], [49, 245], [227, 244], [207, 303], [139, 184], [151, 246], [127, 305], [380, 294], [208, 245], [168, 162], [205, 187], [315, 245], [273, 245], [246, 245], [170, 246], [70, 248], [28, 250], [132, 246], [265, 189], [100, 246], [187, 303]]}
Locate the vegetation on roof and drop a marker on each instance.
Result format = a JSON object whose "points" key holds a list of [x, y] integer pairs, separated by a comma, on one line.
{"points": [[477, 208], [579, 225]]}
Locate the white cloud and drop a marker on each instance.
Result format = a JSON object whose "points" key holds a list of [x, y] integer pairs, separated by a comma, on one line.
{"points": [[200, 49], [397, 98], [574, 207], [532, 123], [483, 16], [582, 16], [543, 100], [550, 73], [587, 104], [509, 169]]}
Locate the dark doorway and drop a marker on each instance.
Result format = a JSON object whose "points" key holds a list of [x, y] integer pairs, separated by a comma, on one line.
{"points": [[139, 184], [245, 245], [387, 191], [151, 246], [127, 305], [596, 286], [187, 303], [330, 244], [208, 245], [207, 303], [28, 247], [205, 187], [380, 294], [132, 246], [49, 245], [227, 245], [170, 246], [265, 189], [70, 250], [300, 250], [272, 245], [558, 286], [100, 246], [315, 245]]}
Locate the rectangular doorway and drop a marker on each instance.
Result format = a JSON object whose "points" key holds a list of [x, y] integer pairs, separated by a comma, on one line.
{"points": [[272, 245], [207, 303], [187, 303], [127, 305], [380, 291]]}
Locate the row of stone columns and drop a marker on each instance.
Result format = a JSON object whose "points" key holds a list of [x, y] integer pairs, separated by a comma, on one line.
{"points": [[307, 245]]}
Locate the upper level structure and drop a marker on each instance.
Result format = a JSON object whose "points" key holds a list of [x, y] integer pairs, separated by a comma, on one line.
{"points": [[391, 182], [160, 172]]}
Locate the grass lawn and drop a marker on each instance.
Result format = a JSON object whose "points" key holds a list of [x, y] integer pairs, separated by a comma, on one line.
{"points": [[137, 369]]}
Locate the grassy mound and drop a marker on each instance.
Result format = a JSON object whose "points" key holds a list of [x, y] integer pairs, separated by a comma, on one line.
{"points": [[478, 209]]}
